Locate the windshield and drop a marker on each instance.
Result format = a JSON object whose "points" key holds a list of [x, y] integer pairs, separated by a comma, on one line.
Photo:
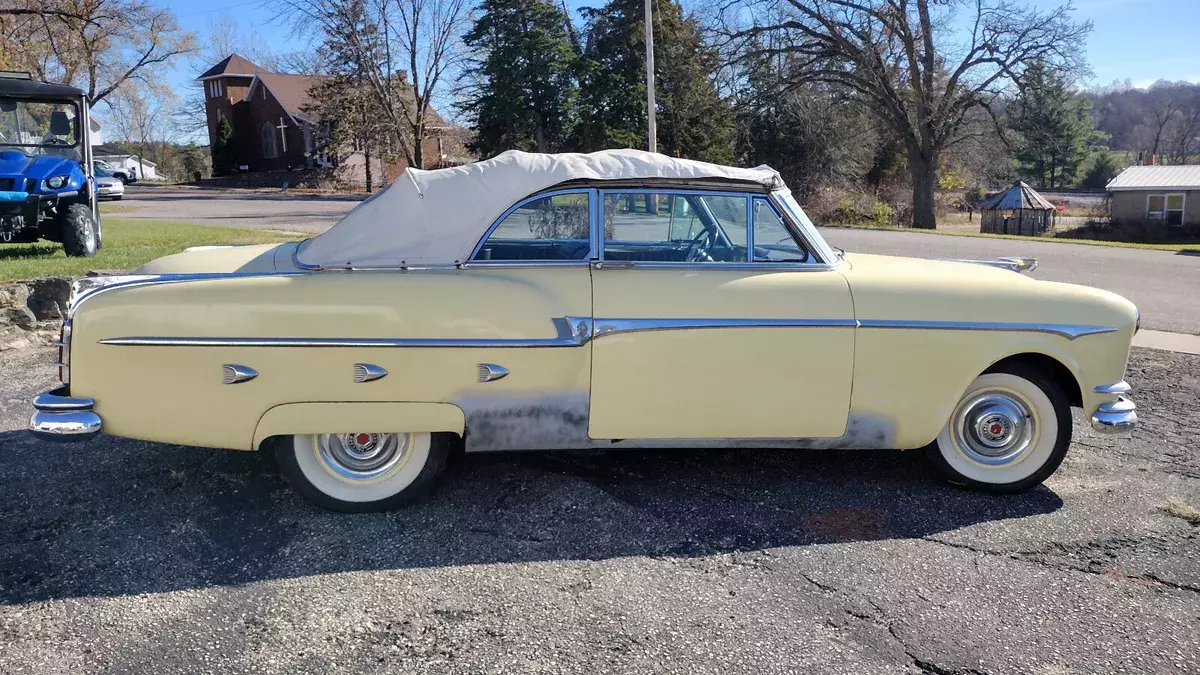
{"points": [[40, 127], [806, 226]]}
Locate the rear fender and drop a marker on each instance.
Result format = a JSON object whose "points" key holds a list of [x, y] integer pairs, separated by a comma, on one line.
{"points": [[293, 419]]}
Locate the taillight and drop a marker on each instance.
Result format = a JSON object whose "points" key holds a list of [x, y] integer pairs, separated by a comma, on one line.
{"points": [[64, 353]]}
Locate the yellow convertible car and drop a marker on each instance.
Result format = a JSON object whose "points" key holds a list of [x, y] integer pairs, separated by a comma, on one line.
{"points": [[538, 302]]}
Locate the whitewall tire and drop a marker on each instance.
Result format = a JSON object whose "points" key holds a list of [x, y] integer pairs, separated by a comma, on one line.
{"points": [[1008, 432], [357, 472]]}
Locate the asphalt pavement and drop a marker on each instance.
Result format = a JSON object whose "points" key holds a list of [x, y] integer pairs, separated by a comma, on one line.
{"points": [[121, 556], [246, 209], [1166, 286]]}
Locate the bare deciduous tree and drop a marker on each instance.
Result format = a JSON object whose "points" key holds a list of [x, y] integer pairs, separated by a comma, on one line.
{"points": [[920, 65], [97, 45], [143, 118], [399, 40]]}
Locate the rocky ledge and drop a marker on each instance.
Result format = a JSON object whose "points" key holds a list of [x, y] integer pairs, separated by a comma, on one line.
{"points": [[31, 311]]}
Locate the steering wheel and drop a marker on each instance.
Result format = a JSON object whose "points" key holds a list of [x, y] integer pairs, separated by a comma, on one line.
{"points": [[699, 247]]}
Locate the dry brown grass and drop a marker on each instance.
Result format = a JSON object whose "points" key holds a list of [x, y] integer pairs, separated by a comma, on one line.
{"points": [[1182, 511]]}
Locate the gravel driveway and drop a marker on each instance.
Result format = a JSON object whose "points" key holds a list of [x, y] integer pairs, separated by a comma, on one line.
{"points": [[129, 557]]}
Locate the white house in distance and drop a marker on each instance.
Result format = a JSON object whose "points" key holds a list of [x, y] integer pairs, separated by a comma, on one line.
{"points": [[1164, 194], [146, 170]]}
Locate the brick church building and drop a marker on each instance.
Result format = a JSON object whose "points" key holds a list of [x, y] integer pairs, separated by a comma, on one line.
{"points": [[272, 131]]}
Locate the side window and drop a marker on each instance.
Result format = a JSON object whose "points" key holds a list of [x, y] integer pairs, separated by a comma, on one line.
{"points": [[773, 242], [674, 227], [554, 227]]}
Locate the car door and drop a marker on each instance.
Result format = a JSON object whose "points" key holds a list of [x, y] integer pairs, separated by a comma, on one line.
{"points": [[711, 320], [530, 275]]}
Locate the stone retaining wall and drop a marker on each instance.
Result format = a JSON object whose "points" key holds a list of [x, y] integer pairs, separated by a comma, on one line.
{"points": [[31, 311]]}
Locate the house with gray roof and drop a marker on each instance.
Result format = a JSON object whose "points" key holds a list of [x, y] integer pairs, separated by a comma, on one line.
{"points": [[1168, 195]]}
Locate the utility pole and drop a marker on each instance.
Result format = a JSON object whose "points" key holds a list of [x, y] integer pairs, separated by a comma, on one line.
{"points": [[653, 127]]}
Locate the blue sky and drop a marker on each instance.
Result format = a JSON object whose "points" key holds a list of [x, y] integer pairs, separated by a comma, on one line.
{"points": [[1139, 40]]}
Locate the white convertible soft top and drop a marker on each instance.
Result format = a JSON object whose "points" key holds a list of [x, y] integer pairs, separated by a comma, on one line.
{"points": [[437, 217]]}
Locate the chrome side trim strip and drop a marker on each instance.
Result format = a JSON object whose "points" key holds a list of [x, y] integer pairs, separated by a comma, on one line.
{"points": [[612, 326], [521, 264], [574, 331], [714, 266], [153, 341], [1069, 331], [570, 331]]}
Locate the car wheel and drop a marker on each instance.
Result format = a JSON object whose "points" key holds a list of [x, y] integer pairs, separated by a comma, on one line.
{"points": [[1008, 432], [362, 472], [121, 177], [117, 198], [78, 230]]}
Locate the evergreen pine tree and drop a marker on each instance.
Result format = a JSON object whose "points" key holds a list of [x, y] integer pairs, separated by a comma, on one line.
{"points": [[525, 97], [693, 120], [224, 154], [1055, 127]]}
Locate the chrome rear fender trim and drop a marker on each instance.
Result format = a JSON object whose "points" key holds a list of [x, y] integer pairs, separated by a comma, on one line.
{"points": [[1069, 331]]}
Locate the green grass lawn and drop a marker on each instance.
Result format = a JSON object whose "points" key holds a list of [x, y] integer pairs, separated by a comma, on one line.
{"points": [[1195, 247], [127, 245]]}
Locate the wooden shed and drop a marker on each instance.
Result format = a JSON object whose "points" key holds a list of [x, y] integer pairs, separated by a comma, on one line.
{"points": [[1017, 210]]}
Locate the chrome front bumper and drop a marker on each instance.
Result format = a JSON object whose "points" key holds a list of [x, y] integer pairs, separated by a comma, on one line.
{"points": [[62, 418], [1115, 417]]}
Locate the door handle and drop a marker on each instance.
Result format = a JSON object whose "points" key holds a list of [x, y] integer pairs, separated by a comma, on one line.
{"points": [[612, 264]]}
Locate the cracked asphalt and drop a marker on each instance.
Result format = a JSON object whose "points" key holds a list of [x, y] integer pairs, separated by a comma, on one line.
{"points": [[130, 557]]}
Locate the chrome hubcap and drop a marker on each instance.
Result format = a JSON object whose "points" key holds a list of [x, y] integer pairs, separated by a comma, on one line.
{"points": [[362, 456], [994, 428]]}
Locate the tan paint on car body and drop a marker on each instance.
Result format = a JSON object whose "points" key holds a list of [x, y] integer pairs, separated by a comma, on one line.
{"points": [[898, 389], [175, 394]]}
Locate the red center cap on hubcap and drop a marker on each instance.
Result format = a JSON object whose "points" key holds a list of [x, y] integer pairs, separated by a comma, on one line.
{"points": [[996, 428], [362, 439]]}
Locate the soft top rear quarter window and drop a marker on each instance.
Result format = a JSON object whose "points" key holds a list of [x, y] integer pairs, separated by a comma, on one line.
{"points": [[552, 226]]}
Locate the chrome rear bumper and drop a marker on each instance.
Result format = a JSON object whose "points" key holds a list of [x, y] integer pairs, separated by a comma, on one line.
{"points": [[1115, 417], [62, 418]]}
